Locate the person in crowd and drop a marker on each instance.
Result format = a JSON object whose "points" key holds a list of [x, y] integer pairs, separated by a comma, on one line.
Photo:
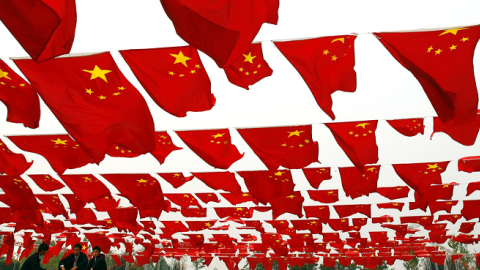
{"points": [[98, 260], [75, 261], [33, 262]]}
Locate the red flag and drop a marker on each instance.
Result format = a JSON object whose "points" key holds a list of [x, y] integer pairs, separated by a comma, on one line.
{"points": [[465, 134], [357, 139], [320, 212], [75, 204], [220, 180], [86, 216], [164, 146], [451, 218], [118, 151], [324, 196], [316, 176], [94, 102], [325, 64], [249, 68], [289, 147], [467, 227], [6, 216], [442, 62], [378, 237], [391, 205], [471, 209], [60, 150], [207, 197], [43, 29], [182, 199], [10, 163], [442, 205], [213, 146], [266, 185], [124, 217], [100, 240], [21, 100], [357, 184], [142, 190], [194, 212], [472, 187], [241, 212], [469, 164], [419, 176], [175, 179], [46, 182], [200, 225], [54, 204], [292, 204], [174, 77], [425, 221], [348, 210], [394, 193], [408, 127], [222, 30], [235, 199], [88, 189]]}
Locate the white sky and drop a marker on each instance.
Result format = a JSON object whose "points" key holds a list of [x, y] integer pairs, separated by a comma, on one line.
{"points": [[385, 91]]}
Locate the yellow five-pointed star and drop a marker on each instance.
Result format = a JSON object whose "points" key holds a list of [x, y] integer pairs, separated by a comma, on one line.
{"points": [[326, 52], [121, 88], [372, 169], [438, 51], [294, 133], [362, 125], [142, 180], [218, 135], [89, 91], [249, 57], [180, 58], [334, 58], [102, 97], [4, 74], [98, 73], [116, 94], [464, 39], [339, 39], [453, 47], [176, 175], [429, 49], [452, 31], [58, 141], [291, 196], [432, 166]]}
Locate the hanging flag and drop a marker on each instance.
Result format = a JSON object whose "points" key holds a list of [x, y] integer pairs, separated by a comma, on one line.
{"points": [[419, 176], [348, 210], [194, 212], [86, 216], [465, 134], [75, 204], [266, 185], [469, 164], [358, 141], [220, 180], [46, 182], [200, 225], [292, 204], [207, 197], [325, 64], [316, 176], [164, 146], [394, 193], [213, 146], [408, 127], [174, 77], [356, 184], [21, 100], [124, 217], [118, 151], [99, 239], [54, 204], [324, 196], [60, 151], [442, 62], [249, 68], [182, 199], [89, 189], [94, 102], [425, 221], [289, 147], [451, 218], [471, 209], [391, 205], [175, 179], [472, 187], [235, 199], [241, 212], [222, 30], [12, 164], [466, 227], [320, 212], [441, 205], [44, 29]]}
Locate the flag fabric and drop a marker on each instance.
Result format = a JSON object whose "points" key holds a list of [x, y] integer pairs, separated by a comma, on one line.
{"points": [[174, 77], [451, 218], [222, 30], [213, 146], [471, 209], [466, 227], [118, 151], [182, 199], [54, 204], [292, 204], [391, 205], [442, 205], [419, 176], [465, 134], [196, 225], [86, 216], [266, 185], [320, 212], [472, 187], [12, 164], [241, 212], [315, 176], [289, 147], [74, 203], [408, 127], [94, 102], [356, 184], [325, 64], [469, 164], [220, 180], [425, 221], [21, 100], [89, 189], [235, 199], [44, 29], [194, 212], [348, 210], [46, 182], [249, 68], [124, 217], [324, 196], [357, 140], [99, 239], [207, 197], [442, 62], [394, 193], [164, 146], [175, 179]]}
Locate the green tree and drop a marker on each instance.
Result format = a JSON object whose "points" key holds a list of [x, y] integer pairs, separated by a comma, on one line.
{"points": [[413, 264], [198, 263]]}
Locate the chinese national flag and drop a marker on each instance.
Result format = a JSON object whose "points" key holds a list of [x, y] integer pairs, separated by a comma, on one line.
{"points": [[21, 100], [74, 203], [235, 199], [419, 176], [348, 210], [182, 199], [86, 216], [316, 176], [194, 212], [249, 68], [408, 127], [175, 179], [222, 30], [54, 204], [266, 185], [292, 204], [118, 151], [207, 197], [465, 133], [10, 163], [200, 225], [425, 221], [241, 212], [451, 218], [325, 64], [220, 180], [378, 237], [94, 102], [46, 182], [320, 212], [174, 77], [391, 205], [44, 29], [164, 146], [469, 164], [394, 193], [89, 189], [442, 62], [442, 205], [471, 209], [357, 184], [289, 147], [472, 187], [99, 239], [324, 196], [125, 217], [142, 190], [60, 150], [466, 227], [358, 141], [213, 146]]}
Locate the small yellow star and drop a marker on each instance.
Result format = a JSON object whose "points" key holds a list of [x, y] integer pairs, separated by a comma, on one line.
{"points": [[429, 49], [326, 52], [249, 57], [116, 94], [180, 58], [464, 39], [240, 69], [181, 75], [300, 145], [334, 58], [102, 97], [89, 91], [197, 66], [121, 88], [307, 141], [291, 196], [247, 73], [453, 47], [284, 144], [98, 73], [438, 51], [171, 73], [58, 141], [22, 85], [192, 71], [259, 66], [255, 72]]}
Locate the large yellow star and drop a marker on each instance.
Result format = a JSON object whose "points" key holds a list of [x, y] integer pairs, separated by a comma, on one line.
{"points": [[279, 173], [249, 57], [58, 141], [294, 133], [4, 74], [452, 31], [218, 135], [142, 180], [339, 39], [432, 166], [98, 73], [180, 58], [362, 125]]}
